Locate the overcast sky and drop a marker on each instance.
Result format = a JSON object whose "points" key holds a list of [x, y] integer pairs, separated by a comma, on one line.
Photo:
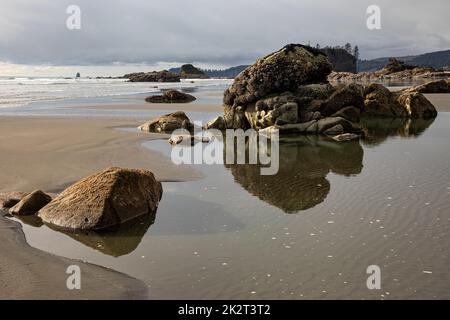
{"points": [[210, 32]]}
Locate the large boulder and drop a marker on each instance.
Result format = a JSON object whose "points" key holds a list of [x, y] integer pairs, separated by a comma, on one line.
{"points": [[31, 203], [344, 96], [154, 76], [416, 105], [105, 199], [284, 70], [380, 102], [188, 71], [168, 123], [10, 199], [171, 96]]}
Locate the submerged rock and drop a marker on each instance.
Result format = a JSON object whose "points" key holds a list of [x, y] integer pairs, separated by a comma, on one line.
{"points": [[168, 123], [10, 199], [31, 203], [104, 199], [171, 96]]}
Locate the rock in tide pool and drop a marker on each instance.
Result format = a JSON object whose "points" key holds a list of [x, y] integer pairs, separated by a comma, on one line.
{"points": [[10, 199], [380, 102], [31, 203], [171, 96], [416, 105], [168, 123], [105, 199], [287, 90]]}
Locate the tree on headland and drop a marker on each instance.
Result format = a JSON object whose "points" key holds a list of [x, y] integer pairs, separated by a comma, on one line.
{"points": [[348, 47], [356, 52]]}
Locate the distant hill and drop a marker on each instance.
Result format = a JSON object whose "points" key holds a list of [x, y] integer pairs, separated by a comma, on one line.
{"points": [[225, 73], [228, 73], [437, 60]]}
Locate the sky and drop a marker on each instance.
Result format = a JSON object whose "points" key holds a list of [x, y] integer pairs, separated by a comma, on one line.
{"points": [[119, 36]]}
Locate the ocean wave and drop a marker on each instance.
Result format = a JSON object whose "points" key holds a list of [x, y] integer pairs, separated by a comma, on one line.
{"points": [[21, 91]]}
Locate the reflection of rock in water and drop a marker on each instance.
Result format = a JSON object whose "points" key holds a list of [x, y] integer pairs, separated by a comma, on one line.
{"points": [[378, 130], [301, 181], [115, 242]]}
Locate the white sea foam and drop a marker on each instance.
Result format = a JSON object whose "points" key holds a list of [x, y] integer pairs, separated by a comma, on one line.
{"points": [[20, 91]]}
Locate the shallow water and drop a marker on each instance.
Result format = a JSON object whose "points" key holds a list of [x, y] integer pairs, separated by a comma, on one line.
{"points": [[309, 231]]}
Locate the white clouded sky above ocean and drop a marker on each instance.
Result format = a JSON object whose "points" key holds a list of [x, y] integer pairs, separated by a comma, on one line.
{"points": [[212, 32]]}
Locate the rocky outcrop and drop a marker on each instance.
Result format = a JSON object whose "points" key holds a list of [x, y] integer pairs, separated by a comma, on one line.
{"points": [[154, 76], [438, 86], [393, 70], [408, 103], [188, 71], [105, 199], [31, 203], [171, 96], [284, 70], [168, 123], [276, 93], [10, 199]]}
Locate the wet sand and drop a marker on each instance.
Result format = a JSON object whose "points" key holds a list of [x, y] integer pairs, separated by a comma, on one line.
{"points": [[28, 273], [440, 100], [199, 107], [50, 153]]}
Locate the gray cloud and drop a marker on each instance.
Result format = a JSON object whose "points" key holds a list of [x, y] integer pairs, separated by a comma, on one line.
{"points": [[211, 31]]}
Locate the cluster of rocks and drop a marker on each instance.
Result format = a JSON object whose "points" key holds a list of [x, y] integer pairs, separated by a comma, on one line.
{"points": [[23, 203], [288, 90], [188, 71], [103, 200], [171, 96], [154, 76], [394, 70]]}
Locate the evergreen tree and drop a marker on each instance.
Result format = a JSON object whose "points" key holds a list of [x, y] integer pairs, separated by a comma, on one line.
{"points": [[356, 52], [348, 48]]}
